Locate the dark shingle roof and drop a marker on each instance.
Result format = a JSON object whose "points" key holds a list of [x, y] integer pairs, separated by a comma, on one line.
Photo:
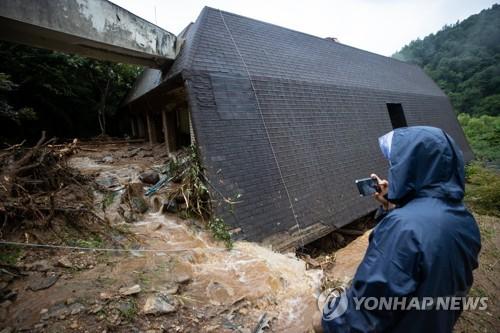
{"points": [[278, 52]]}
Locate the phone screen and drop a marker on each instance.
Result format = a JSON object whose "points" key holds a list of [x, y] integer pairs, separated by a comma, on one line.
{"points": [[367, 186]]}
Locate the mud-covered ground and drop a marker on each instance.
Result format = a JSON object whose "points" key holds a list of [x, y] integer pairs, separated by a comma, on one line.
{"points": [[169, 275], [176, 278]]}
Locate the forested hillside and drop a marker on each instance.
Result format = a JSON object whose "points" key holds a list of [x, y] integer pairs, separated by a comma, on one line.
{"points": [[67, 95], [464, 60]]}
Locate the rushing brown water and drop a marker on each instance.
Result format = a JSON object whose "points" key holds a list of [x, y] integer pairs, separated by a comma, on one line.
{"points": [[273, 283], [219, 281]]}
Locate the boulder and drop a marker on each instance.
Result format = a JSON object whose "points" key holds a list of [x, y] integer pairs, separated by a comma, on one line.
{"points": [[108, 159], [169, 206], [64, 262], [41, 282], [159, 304], [39, 265], [149, 177], [135, 289]]}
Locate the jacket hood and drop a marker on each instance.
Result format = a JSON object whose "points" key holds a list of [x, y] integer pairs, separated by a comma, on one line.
{"points": [[425, 162]]}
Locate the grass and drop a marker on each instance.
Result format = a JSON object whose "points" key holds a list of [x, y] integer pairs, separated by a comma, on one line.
{"points": [[220, 231], [109, 198], [9, 254], [92, 242], [482, 192], [483, 134], [198, 200], [485, 277], [129, 310]]}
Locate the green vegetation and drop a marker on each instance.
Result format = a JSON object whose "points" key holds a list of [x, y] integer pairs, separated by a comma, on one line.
{"points": [[483, 189], [9, 254], [66, 95], [128, 309], [220, 231], [464, 60], [186, 169], [109, 198], [94, 242], [483, 134]]}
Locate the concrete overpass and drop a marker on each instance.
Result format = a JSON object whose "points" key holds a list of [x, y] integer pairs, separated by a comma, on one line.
{"points": [[93, 28]]}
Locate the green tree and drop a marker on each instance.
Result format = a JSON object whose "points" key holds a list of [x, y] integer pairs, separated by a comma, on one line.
{"points": [[464, 60], [483, 134], [71, 95]]}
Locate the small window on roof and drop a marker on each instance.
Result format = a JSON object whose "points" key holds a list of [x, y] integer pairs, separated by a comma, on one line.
{"points": [[397, 115]]}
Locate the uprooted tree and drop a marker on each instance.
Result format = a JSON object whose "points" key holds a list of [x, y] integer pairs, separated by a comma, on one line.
{"points": [[36, 184]]}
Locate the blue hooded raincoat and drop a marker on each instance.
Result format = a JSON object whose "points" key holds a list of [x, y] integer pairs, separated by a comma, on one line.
{"points": [[426, 247]]}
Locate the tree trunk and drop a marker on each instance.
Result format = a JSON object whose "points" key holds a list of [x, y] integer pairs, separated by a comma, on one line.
{"points": [[101, 112]]}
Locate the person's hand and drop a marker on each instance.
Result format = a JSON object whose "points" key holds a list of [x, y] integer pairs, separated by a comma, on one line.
{"points": [[384, 188], [317, 322]]}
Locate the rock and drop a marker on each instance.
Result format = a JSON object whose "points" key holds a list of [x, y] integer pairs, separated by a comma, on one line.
{"points": [[5, 304], [3, 285], [95, 309], [169, 206], [172, 291], [134, 196], [149, 177], [337, 239], [135, 289], [43, 282], [64, 262], [159, 304], [108, 159], [6, 278], [74, 325], [57, 311], [125, 307], [76, 308], [70, 301], [139, 205], [134, 152], [3, 314], [39, 265], [182, 278], [107, 180], [43, 311], [105, 295], [8, 294], [7, 330], [147, 154]]}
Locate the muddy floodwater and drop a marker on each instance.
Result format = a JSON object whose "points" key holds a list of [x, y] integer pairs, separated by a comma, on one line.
{"points": [[273, 283]]}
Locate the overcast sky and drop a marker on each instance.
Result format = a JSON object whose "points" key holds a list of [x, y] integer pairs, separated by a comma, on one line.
{"points": [[380, 26]]}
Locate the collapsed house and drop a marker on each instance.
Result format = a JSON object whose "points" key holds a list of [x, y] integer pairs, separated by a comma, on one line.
{"points": [[284, 119]]}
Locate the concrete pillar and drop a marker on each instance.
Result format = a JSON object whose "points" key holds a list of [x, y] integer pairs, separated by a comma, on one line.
{"points": [[132, 126], [140, 127], [150, 128], [165, 130]]}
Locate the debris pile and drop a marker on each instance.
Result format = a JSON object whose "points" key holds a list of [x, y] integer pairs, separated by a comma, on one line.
{"points": [[189, 190], [183, 189], [36, 184]]}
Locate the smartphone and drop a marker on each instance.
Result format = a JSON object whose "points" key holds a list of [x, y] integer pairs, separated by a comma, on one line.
{"points": [[367, 186]]}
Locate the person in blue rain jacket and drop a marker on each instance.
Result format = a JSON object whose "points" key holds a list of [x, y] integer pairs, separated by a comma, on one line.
{"points": [[426, 243]]}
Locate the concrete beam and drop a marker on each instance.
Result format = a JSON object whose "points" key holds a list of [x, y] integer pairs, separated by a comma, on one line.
{"points": [[93, 28]]}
